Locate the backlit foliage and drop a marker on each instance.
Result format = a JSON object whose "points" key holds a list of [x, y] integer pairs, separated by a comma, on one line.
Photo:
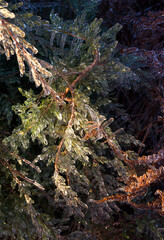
{"points": [[62, 161]]}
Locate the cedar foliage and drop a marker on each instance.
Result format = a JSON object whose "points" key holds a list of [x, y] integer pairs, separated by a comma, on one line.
{"points": [[65, 167]]}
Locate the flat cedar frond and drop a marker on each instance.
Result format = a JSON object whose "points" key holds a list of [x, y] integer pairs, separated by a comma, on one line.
{"points": [[140, 183], [70, 143], [4, 12], [155, 206], [137, 186], [12, 40], [151, 159], [96, 131], [161, 196]]}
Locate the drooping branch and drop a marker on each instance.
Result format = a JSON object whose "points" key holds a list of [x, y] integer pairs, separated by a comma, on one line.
{"points": [[151, 159], [12, 40], [15, 173], [137, 187]]}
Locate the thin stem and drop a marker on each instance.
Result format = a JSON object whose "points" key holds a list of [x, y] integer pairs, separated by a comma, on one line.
{"points": [[86, 70], [70, 120]]}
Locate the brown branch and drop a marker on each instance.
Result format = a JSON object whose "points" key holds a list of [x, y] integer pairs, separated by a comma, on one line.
{"points": [[145, 136], [8, 166], [15, 172], [117, 151], [65, 32], [137, 186], [49, 105], [27, 162], [70, 120], [86, 70]]}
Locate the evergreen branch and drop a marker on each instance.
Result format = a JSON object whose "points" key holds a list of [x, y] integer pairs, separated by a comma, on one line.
{"points": [[71, 117], [27, 162], [161, 196], [15, 172], [137, 187], [86, 70], [18, 45], [151, 159], [138, 184], [97, 130], [155, 206], [8, 166], [65, 32]]}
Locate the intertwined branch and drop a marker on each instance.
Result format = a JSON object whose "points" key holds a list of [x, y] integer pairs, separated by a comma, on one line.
{"points": [[13, 42], [136, 186]]}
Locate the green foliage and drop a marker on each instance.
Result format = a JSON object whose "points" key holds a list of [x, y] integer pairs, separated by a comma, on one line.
{"points": [[55, 161]]}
